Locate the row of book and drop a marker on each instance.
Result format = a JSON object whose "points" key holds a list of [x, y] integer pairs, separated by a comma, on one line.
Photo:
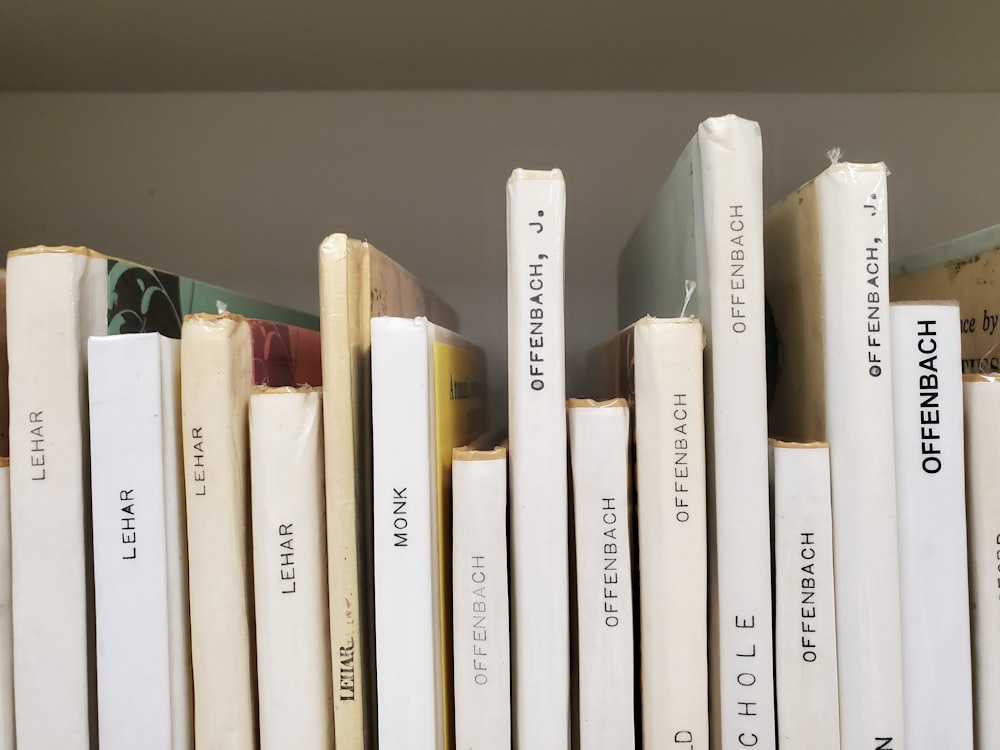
{"points": [[248, 537]]}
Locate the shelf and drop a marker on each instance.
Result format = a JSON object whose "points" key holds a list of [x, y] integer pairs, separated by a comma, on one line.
{"points": [[188, 45]]}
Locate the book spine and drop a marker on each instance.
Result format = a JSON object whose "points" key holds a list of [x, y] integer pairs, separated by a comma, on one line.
{"points": [[216, 379], [54, 302], [178, 599], [981, 394], [481, 611], [671, 480], [805, 638], [6, 626], [289, 560], [407, 644], [933, 564], [346, 369], [129, 511], [852, 209], [536, 217], [599, 444], [736, 396]]}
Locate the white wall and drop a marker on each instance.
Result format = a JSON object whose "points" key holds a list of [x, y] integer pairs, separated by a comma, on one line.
{"points": [[239, 189]]}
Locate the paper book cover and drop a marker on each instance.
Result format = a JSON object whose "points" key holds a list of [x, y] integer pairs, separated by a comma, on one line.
{"points": [[6, 626], [480, 604], [222, 358], [539, 504], [428, 397], [966, 269], [56, 298], [805, 637], [139, 542], [289, 565], [933, 566], [357, 282], [699, 250], [599, 457], [981, 399], [827, 283]]}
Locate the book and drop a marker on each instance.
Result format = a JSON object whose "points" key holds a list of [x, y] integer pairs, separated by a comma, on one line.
{"points": [[536, 395], [658, 364], [357, 282], [289, 568], [827, 283], [140, 543], [222, 358], [428, 397], [698, 251], [56, 298], [966, 269], [805, 628], [599, 447], [981, 400], [6, 626], [930, 488], [480, 604]]}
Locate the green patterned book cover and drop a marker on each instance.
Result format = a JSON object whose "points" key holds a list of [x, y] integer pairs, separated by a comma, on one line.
{"points": [[143, 300]]}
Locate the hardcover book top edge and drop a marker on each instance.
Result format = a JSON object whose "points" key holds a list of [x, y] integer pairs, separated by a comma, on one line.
{"points": [[589, 403], [56, 249], [811, 444]]}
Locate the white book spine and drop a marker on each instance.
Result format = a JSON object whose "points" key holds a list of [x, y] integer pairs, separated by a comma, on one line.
{"points": [[982, 447], [933, 562], [290, 579], [671, 479], [599, 444], [215, 390], [6, 626], [805, 636], [851, 204], [407, 649], [736, 396], [136, 644], [55, 301], [178, 599], [481, 611], [536, 218]]}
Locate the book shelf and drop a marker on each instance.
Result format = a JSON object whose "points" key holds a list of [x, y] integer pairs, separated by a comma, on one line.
{"points": [[215, 162]]}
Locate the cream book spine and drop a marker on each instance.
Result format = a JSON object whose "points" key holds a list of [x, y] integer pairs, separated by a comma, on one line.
{"points": [[49, 489], [599, 447], [671, 480], [480, 605], [981, 399], [407, 653], [289, 564], [933, 562], [536, 218], [6, 626], [827, 260], [852, 207], [805, 628], [740, 621], [215, 390], [140, 571]]}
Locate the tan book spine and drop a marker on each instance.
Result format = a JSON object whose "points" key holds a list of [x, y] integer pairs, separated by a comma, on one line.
{"points": [[216, 379]]}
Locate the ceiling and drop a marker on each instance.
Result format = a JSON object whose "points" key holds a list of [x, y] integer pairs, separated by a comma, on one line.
{"points": [[711, 45]]}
